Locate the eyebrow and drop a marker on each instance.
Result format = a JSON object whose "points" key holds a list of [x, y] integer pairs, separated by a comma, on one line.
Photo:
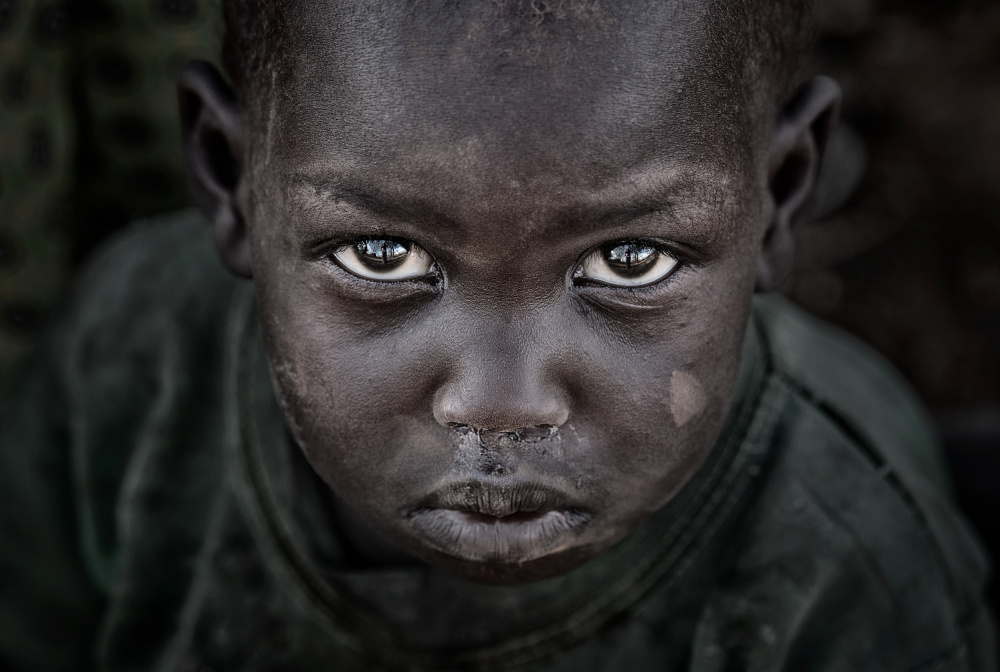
{"points": [[599, 211], [639, 208], [334, 191]]}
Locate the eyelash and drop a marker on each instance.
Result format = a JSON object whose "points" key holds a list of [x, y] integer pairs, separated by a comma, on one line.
{"points": [[327, 250], [433, 280], [684, 262]]}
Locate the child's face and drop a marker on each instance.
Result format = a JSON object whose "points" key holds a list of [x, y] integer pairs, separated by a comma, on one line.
{"points": [[504, 283]]}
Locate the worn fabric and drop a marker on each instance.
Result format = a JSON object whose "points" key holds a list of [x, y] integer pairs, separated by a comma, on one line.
{"points": [[156, 516]]}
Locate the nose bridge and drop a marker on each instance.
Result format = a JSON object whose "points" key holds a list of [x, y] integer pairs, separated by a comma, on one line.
{"points": [[502, 379]]}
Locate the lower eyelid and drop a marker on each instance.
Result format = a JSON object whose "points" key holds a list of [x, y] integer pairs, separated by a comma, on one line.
{"points": [[347, 285], [643, 297], [357, 286]]}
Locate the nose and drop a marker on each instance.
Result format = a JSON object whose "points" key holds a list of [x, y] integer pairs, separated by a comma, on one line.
{"points": [[503, 383]]}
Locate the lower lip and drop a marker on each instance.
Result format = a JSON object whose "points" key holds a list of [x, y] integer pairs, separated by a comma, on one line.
{"points": [[513, 539]]}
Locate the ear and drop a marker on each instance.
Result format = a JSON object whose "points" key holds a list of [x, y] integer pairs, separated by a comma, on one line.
{"points": [[794, 159], [212, 136]]}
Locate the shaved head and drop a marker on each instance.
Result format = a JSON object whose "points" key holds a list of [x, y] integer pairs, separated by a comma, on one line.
{"points": [[757, 49]]}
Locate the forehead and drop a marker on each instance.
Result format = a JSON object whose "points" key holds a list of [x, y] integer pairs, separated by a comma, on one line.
{"points": [[516, 91]]}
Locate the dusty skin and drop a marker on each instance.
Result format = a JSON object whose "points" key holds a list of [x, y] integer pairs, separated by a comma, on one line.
{"points": [[484, 259], [687, 397]]}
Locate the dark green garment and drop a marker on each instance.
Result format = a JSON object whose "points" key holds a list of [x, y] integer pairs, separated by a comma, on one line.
{"points": [[156, 516]]}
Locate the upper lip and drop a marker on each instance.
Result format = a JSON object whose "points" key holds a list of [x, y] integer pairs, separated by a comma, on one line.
{"points": [[498, 498]]}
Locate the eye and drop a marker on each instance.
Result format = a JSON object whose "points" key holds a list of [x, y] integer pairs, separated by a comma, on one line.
{"points": [[385, 259], [627, 263]]}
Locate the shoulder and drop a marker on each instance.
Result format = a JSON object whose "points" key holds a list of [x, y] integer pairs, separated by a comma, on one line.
{"points": [[156, 292], [147, 311], [853, 551], [155, 268], [141, 365], [852, 382], [853, 409]]}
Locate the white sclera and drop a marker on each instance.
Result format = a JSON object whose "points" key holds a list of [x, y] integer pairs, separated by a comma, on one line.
{"points": [[594, 267], [417, 264]]}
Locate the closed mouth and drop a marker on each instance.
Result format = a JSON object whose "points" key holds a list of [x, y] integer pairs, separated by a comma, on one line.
{"points": [[497, 522]]}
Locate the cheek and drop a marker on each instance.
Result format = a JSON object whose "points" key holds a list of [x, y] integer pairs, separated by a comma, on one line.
{"points": [[649, 449], [651, 438], [349, 398], [360, 410], [364, 445], [663, 403]]}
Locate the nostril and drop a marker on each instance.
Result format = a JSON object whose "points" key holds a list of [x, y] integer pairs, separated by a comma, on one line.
{"points": [[537, 433], [533, 434], [460, 427]]}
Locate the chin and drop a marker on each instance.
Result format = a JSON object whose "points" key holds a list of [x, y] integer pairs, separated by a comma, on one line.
{"points": [[512, 573]]}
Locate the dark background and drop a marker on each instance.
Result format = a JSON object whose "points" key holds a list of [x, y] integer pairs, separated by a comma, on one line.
{"points": [[910, 261], [904, 249]]}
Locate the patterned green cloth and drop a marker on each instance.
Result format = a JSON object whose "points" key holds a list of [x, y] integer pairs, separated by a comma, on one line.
{"points": [[88, 135]]}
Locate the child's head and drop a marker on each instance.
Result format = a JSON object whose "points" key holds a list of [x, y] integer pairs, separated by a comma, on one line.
{"points": [[504, 250]]}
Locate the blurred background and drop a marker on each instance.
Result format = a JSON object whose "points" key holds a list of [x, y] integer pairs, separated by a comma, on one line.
{"points": [[903, 249]]}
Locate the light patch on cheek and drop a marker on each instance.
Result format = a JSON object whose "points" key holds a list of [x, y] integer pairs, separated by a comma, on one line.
{"points": [[687, 397]]}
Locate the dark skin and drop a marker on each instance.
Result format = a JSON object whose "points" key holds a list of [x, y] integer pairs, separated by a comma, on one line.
{"points": [[503, 276]]}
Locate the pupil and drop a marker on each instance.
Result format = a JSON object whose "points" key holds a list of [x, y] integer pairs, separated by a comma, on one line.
{"points": [[381, 253], [630, 259]]}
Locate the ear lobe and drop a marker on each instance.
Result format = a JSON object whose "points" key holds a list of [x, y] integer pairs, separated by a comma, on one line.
{"points": [[212, 137], [794, 159]]}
